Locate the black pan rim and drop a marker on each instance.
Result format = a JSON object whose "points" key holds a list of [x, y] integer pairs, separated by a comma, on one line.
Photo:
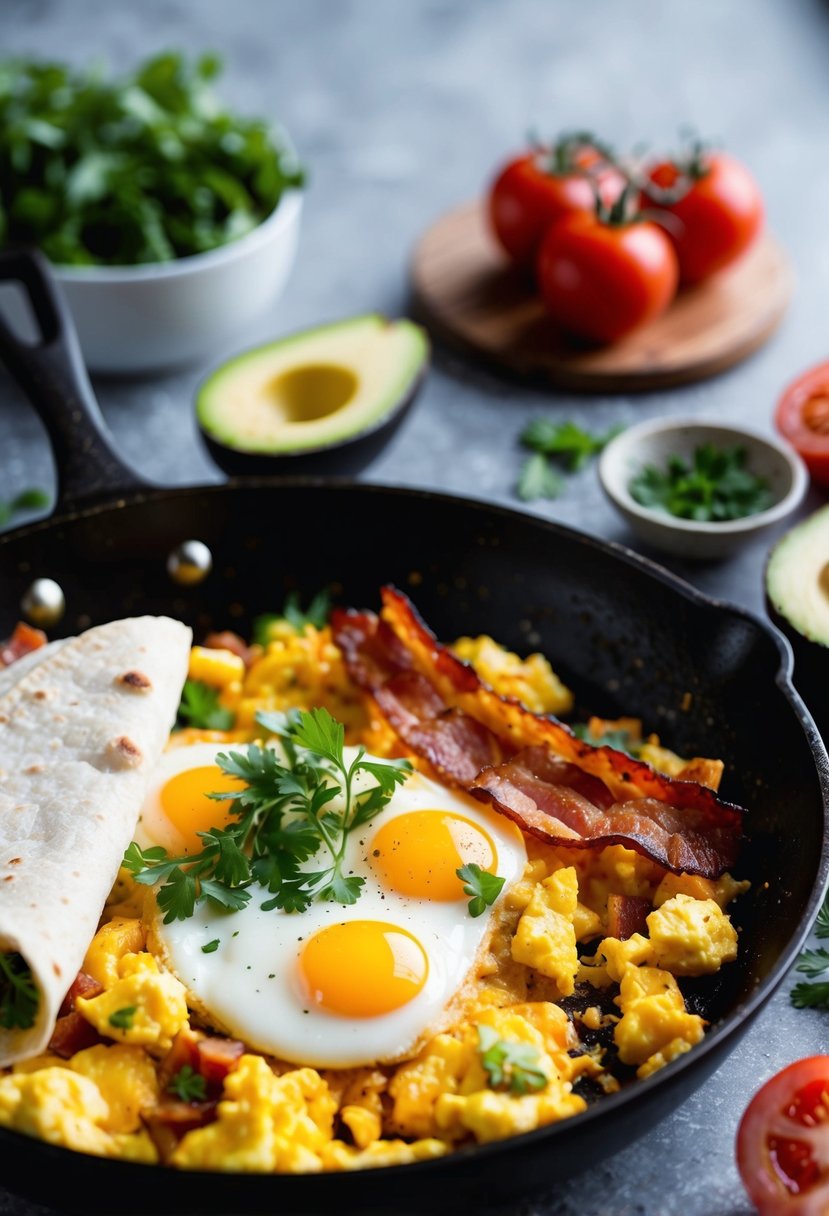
{"points": [[737, 1018]]}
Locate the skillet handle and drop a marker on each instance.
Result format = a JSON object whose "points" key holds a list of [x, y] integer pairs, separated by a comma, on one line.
{"points": [[52, 374]]}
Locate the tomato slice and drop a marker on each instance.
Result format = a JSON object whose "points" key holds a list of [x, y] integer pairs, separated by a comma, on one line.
{"points": [[802, 417], [783, 1142]]}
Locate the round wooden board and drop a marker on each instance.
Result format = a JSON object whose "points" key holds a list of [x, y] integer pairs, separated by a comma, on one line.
{"points": [[467, 291]]}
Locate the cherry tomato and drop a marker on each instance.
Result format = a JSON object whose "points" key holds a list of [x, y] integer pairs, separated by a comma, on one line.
{"points": [[600, 280], [538, 188], [802, 417], [783, 1142], [716, 219]]}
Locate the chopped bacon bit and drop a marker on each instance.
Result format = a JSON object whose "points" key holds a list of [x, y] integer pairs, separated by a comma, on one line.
{"points": [[227, 640], [530, 767], [82, 985], [73, 1033], [171, 1119], [626, 915], [24, 640], [183, 1051], [216, 1058]]}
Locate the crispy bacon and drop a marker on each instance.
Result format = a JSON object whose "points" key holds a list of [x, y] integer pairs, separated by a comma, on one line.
{"points": [[24, 639], [171, 1119], [626, 915], [82, 985], [228, 640], [529, 767], [216, 1057], [72, 1033]]}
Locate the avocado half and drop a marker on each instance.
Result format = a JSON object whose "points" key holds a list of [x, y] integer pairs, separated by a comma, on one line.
{"points": [[324, 399], [797, 596]]}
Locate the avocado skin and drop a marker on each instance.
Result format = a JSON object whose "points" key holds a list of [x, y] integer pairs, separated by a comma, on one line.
{"points": [[344, 457]]}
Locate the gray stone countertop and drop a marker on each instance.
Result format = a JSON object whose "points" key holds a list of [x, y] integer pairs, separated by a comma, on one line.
{"points": [[401, 110]]}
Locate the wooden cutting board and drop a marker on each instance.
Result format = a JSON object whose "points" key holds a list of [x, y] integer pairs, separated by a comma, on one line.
{"points": [[466, 290]]}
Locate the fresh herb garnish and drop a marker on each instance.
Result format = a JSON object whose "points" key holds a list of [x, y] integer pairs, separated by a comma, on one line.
{"points": [[147, 168], [481, 885], [822, 922], [811, 996], [565, 443], [200, 707], [284, 816], [716, 486], [188, 1085], [19, 997], [316, 614], [620, 739], [211, 947], [814, 963], [27, 500], [510, 1065], [123, 1019]]}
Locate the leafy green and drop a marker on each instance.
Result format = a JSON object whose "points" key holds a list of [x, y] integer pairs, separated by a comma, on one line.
{"points": [[565, 443], [813, 962], [483, 887], [811, 996], [19, 997], [200, 707], [509, 1065], [716, 486], [284, 817], [822, 922], [123, 1018], [188, 1085], [620, 739], [316, 614], [147, 168], [32, 499], [211, 947]]}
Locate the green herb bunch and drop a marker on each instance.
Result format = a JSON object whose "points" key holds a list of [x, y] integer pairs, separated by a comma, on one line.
{"points": [[557, 447], [120, 172], [284, 816], [714, 487], [814, 964]]}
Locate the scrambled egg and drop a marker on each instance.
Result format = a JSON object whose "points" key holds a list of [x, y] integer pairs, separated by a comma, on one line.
{"points": [[276, 1117]]}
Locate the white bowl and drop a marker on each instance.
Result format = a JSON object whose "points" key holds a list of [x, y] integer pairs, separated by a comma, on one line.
{"points": [[655, 441], [142, 318]]}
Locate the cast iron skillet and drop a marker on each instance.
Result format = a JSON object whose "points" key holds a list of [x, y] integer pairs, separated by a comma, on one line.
{"points": [[625, 634]]}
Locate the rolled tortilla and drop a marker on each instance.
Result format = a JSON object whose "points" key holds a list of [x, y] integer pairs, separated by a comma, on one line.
{"points": [[80, 733]]}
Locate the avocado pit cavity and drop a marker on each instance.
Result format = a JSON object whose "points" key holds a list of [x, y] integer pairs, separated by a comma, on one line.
{"points": [[304, 394]]}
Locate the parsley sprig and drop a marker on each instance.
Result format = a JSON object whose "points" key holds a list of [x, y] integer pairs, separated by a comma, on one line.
{"points": [[716, 486], [188, 1085], [510, 1065], [568, 445], [483, 887], [316, 614], [284, 816], [200, 707], [814, 963], [19, 997]]}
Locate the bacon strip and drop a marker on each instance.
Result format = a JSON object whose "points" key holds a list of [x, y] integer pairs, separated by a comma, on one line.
{"points": [[531, 768], [24, 640]]}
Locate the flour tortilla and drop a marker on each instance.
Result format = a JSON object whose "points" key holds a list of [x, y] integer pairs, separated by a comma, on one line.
{"points": [[78, 744]]}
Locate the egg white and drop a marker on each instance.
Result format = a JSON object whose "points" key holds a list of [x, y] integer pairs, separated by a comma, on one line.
{"points": [[250, 986]]}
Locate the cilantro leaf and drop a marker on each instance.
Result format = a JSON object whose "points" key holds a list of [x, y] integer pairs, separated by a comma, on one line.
{"points": [[316, 615], [200, 707], [813, 962], [822, 922], [811, 996], [567, 441], [481, 885], [510, 1065], [538, 480], [19, 995], [188, 1085], [123, 1019], [211, 947], [32, 499], [714, 487]]}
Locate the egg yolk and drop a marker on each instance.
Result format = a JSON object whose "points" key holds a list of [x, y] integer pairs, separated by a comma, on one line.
{"points": [[363, 968], [418, 854], [186, 804]]}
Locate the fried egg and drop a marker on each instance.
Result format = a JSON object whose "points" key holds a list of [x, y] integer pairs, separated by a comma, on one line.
{"points": [[337, 985]]}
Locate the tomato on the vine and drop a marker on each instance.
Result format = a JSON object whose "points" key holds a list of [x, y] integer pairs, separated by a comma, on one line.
{"points": [[802, 417], [716, 206], [783, 1142], [534, 190], [602, 275]]}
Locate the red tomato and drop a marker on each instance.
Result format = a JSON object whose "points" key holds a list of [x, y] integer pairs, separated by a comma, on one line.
{"points": [[538, 188], [601, 280], [716, 219], [783, 1142], [802, 417]]}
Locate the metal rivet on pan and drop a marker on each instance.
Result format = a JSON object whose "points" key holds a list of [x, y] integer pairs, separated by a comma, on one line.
{"points": [[43, 603], [190, 563]]}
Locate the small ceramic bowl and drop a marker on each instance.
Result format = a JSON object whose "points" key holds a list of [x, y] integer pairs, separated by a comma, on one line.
{"points": [[653, 442], [144, 318]]}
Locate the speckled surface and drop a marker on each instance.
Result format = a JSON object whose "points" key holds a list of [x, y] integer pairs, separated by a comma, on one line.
{"points": [[401, 110]]}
